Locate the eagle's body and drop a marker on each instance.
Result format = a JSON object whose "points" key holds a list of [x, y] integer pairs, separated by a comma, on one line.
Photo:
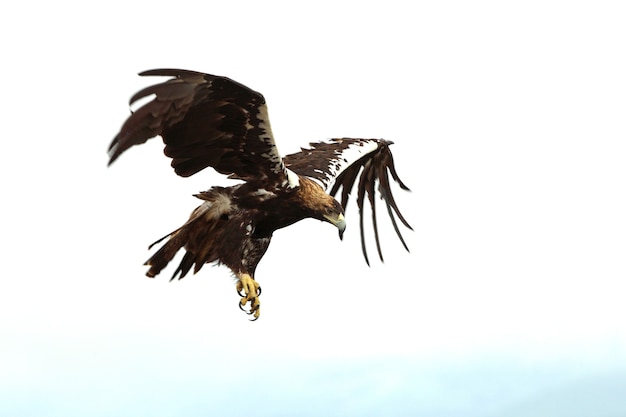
{"points": [[206, 120], [235, 224]]}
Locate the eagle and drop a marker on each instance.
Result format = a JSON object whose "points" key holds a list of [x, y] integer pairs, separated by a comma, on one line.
{"points": [[212, 121]]}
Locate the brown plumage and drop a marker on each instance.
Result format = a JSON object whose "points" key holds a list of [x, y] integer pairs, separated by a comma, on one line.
{"points": [[207, 120]]}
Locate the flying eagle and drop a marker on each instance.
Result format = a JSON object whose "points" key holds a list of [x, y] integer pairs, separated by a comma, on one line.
{"points": [[212, 121]]}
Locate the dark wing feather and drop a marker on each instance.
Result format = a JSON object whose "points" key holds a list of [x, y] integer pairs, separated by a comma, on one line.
{"points": [[205, 120], [338, 163]]}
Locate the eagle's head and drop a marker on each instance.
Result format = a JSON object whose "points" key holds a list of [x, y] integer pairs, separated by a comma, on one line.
{"points": [[321, 205], [333, 213]]}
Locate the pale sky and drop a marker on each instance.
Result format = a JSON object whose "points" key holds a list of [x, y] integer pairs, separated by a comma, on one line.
{"points": [[508, 123]]}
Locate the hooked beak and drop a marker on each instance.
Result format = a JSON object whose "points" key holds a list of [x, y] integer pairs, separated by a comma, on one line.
{"points": [[339, 222]]}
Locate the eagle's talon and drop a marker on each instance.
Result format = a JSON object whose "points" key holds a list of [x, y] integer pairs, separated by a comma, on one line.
{"points": [[249, 291]]}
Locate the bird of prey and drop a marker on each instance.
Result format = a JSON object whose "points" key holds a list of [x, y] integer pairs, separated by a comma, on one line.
{"points": [[212, 121]]}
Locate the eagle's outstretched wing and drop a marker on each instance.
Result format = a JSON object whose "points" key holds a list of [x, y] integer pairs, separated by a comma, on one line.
{"points": [[337, 164], [206, 120]]}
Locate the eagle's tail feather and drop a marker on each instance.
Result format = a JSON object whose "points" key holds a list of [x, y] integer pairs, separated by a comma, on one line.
{"points": [[184, 266], [198, 236], [162, 257]]}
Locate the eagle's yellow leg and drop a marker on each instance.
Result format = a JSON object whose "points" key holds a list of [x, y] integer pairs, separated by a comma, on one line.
{"points": [[249, 290]]}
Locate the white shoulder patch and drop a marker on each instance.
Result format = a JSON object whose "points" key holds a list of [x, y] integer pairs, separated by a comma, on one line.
{"points": [[292, 179]]}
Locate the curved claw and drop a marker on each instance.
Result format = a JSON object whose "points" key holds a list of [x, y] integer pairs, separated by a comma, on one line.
{"points": [[241, 307], [250, 313], [258, 291]]}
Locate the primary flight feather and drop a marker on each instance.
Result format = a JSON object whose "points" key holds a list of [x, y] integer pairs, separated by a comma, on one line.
{"points": [[212, 121]]}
